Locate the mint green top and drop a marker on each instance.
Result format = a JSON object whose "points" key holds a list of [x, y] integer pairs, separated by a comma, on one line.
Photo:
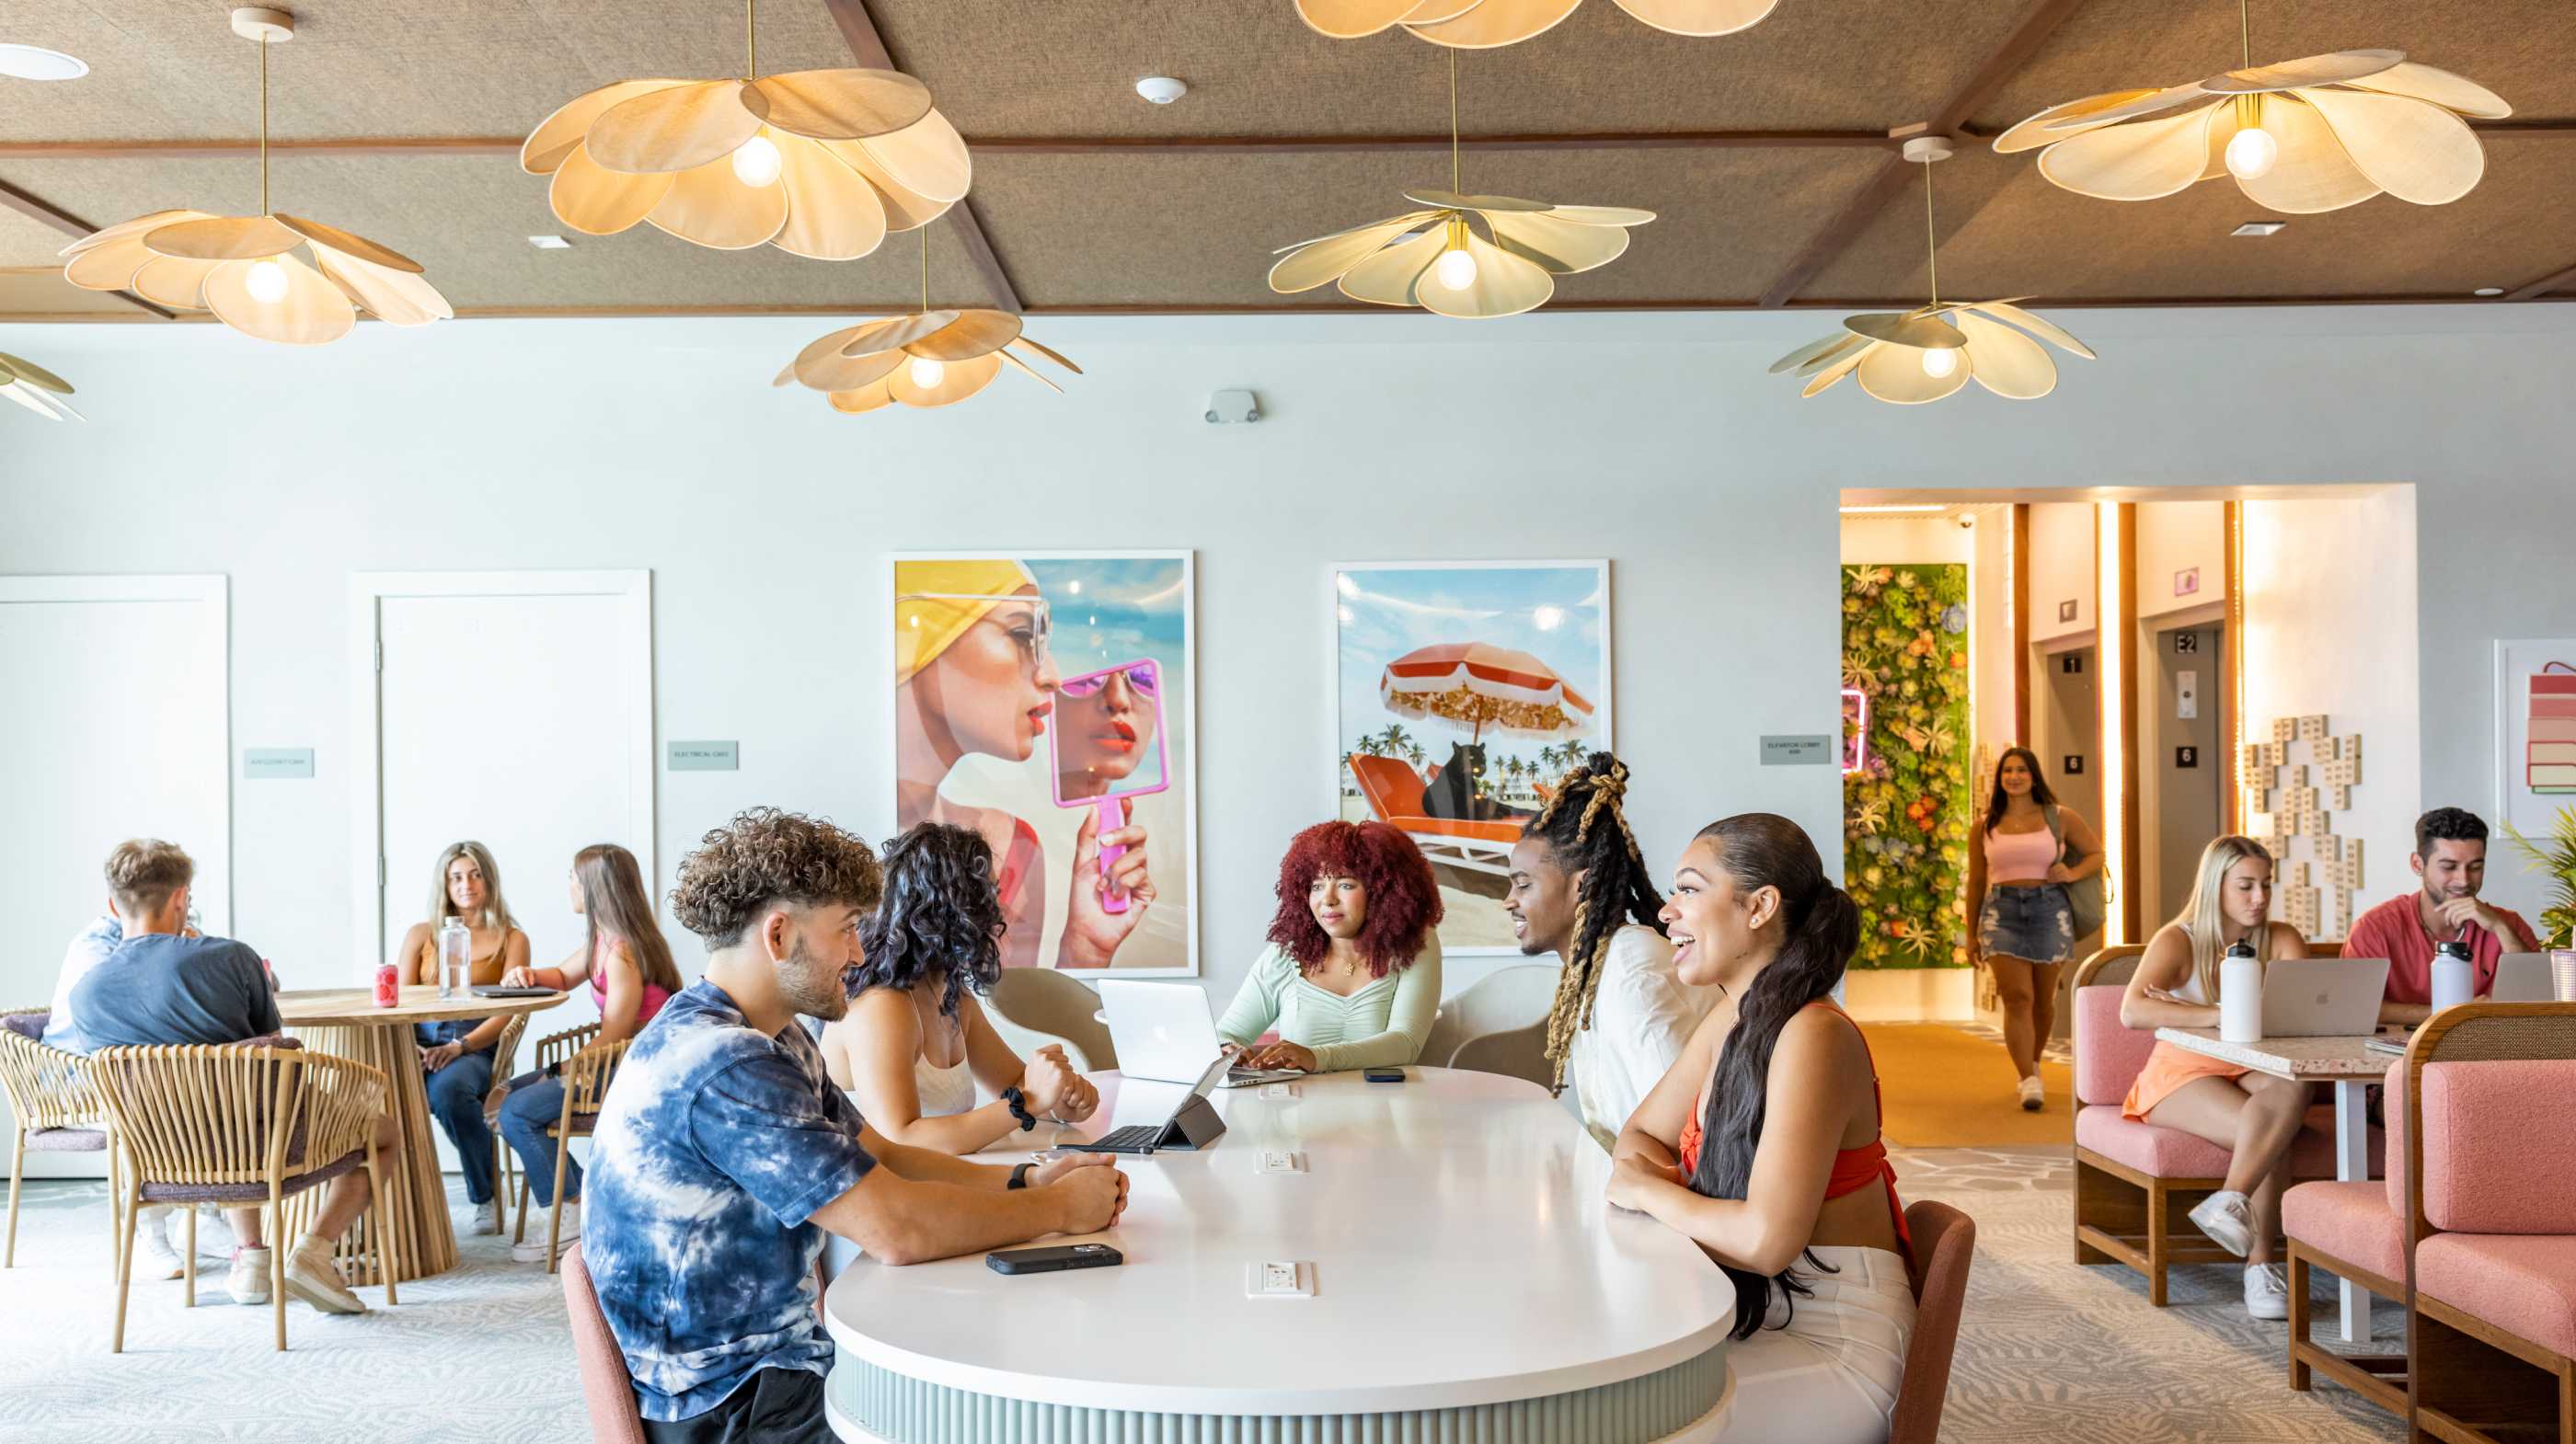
{"points": [[1382, 1025]]}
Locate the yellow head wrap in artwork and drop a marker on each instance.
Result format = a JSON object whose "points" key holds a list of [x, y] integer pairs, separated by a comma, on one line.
{"points": [[936, 601]]}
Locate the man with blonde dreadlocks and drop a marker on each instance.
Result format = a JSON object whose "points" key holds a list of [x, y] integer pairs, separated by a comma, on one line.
{"points": [[1579, 889]]}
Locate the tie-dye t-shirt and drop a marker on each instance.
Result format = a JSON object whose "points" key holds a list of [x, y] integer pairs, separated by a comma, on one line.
{"points": [[714, 1148]]}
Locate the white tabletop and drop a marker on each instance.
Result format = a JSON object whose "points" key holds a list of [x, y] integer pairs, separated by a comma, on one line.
{"points": [[2316, 1059], [1463, 1255]]}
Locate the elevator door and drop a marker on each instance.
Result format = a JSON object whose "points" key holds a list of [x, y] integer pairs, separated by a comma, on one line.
{"points": [[2183, 766]]}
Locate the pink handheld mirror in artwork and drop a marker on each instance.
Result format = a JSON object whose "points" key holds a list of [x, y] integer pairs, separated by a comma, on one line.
{"points": [[1108, 745]]}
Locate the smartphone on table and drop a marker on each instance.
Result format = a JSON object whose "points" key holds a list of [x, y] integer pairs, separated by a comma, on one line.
{"points": [[1055, 1259]]}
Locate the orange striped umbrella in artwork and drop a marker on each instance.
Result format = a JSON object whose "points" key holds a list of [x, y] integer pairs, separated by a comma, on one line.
{"points": [[1476, 686]]}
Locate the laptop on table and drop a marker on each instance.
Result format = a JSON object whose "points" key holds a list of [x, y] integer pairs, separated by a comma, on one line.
{"points": [[2522, 978], [1162, 1031], [2323, 997], [1194, 1124]]}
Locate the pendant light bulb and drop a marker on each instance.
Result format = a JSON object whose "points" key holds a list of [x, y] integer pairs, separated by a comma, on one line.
{"points": [[267, 282], [756, 162], [1456, 268], [927, 374], [2251, 153], [1939, 362]]}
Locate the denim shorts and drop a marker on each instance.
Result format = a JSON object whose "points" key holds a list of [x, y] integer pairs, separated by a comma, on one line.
{"points": [[2035, 923]]}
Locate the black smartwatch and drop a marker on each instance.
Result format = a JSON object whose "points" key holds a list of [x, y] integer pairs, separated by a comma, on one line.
{"points": [[1019, 1105], [1020, 1175]]}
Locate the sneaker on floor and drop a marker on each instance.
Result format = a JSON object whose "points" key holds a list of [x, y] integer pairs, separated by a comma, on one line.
{"points": [[157, 1259], [214, 1235], [248, 1280], [2228, 1220], [314, 1278], [487, 1217], [534, 1250], [2267, 1291], [2032, 1095]]}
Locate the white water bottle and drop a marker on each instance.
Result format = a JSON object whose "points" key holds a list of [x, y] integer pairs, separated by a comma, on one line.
{"points": [[455, 948], [2455, 977], [2240, 996]]}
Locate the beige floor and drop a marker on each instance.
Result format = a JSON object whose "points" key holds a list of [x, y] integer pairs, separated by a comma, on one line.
{"points": [[2050, 1352]]}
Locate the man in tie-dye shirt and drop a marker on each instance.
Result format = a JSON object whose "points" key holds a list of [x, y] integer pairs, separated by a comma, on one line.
{"points": [[723, 1152]]}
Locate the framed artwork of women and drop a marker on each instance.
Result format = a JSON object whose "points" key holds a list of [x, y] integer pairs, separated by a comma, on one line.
{"points": [[1016, 672]]}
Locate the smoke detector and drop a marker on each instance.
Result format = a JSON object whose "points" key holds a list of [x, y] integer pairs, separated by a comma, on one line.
{"points": [[1161, 89]]}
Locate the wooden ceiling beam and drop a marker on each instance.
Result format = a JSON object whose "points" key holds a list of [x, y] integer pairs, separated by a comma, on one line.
{"points": [[867, 45], [2037, 23], [37, 208], [2555, 280]]}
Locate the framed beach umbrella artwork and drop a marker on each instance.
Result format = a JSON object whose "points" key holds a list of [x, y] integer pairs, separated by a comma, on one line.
{"points": [[1461, 691], [1047, 701]]}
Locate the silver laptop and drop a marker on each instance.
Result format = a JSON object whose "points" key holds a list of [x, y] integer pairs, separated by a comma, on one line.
{"points": [[2522, 978], [1162, 1032], [2319, 997]]}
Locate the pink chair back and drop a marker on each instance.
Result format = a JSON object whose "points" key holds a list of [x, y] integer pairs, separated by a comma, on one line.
{"points": [[1944, 1240], [2499, 1145], [2108, 1054], [606, 1388]]}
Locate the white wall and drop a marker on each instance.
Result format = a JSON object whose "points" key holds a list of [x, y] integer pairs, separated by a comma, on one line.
{"points": [[2329, 631], [1655, 440], [2179, 536], [2062, 547]]}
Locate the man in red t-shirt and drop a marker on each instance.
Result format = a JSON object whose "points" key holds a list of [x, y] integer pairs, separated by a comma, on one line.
{"points": [[2451, 858]]}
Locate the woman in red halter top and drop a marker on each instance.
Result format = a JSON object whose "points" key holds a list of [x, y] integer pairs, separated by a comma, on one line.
{"points": [[1762, 1144]]}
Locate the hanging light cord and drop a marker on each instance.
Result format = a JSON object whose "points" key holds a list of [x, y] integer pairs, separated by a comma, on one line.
{"points": [[925, 270], [1931, 238], [263, 125], [1453, 116], [750, 40], [2245, 34]]}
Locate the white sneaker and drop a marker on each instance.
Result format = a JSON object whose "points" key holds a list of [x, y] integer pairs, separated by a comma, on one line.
{"points": [[487, 1217], [248, 1280], [214, 1235], [2228, 1220], [2032, 1095], [2267, 1291], [314, 1278], [157, 1259], [534, 1250]]}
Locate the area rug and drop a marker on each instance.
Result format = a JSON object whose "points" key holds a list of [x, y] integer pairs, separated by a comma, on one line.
{"points": [[1942, 1086]]}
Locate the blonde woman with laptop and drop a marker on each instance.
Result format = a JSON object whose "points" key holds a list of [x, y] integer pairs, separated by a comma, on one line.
{"points": [[2254, 1116]]}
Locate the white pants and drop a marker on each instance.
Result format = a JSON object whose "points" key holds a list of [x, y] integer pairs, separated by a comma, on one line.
{"points": [[1831, 1376]]}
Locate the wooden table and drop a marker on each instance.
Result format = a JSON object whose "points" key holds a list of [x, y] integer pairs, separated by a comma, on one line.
{"points": [[346, 1023], [2347, 1063]]}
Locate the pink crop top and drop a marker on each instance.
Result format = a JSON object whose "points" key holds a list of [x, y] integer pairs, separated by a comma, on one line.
{"points": [[2019, 856]]}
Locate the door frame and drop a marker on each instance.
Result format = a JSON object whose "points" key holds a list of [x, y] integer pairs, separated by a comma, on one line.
{"points": [[367, 592], [212, 591]]}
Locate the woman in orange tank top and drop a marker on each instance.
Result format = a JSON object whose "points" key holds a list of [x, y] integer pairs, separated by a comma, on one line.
{"points": [[1762, 1143]]}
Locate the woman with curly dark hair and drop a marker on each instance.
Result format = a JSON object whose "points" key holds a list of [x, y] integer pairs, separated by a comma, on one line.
{"points": [[915, 1042], [1351, 978]]}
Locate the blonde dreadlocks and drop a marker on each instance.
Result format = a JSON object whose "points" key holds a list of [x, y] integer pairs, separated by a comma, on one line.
{"points": [[1586, 832]]}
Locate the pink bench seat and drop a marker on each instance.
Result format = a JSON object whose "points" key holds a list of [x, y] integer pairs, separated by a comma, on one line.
{"points": [[2172, 1153], [2348, 1221], [2524, 1284]]}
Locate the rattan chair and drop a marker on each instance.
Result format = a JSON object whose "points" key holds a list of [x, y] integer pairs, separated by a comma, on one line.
{"points": [[238, 1126], [55, 1111], [587, 1069], [505, 1066]]}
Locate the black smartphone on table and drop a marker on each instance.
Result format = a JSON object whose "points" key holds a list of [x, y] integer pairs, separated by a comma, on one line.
{"points": [[1055, 1259], [1383, 1075]]}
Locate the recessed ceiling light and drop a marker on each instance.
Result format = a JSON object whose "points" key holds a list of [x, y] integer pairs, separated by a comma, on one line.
{"points": [[34, 62], [2260, 228], [1161, 89], [2488, 291], [550, 243]]}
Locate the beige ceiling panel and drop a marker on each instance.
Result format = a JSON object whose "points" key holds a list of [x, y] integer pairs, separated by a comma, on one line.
{"points": [[42, 291], [468, 219], [381, 67], [26, 241], [1199, 230], [1069, 67], [2008, 232], [2520, 49]]}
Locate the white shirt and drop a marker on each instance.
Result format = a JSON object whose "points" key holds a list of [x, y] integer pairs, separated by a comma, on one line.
{"points": [[1641, 1016], [87, 951]]}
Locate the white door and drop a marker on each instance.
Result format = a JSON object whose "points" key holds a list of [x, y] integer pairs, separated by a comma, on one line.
{"points": [[115, 725]]}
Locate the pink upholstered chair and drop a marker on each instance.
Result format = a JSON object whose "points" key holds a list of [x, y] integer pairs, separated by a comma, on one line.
{"points": [[607, 1390], [1944, 1240], [2134, 1181]]}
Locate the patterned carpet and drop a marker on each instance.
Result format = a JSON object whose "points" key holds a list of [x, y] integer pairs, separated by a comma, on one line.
{"points": [[2049, 1352]]}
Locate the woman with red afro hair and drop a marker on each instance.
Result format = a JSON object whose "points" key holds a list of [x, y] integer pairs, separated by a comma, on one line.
{"points": [[1351, 978]]}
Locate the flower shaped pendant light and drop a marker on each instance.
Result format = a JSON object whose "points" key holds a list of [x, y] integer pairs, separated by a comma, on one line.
{"points": [[930, 358], [1434, 258], [243, 268], [1910, 357], [2303, 136], [1486, 24], [36, 388], [819, 163]]}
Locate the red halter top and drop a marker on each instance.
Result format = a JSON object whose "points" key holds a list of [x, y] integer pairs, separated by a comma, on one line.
{"points": [[1854, 1168]]}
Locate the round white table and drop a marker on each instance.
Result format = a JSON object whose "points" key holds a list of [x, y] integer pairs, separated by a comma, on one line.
{"points": [[1469, 1283]]}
